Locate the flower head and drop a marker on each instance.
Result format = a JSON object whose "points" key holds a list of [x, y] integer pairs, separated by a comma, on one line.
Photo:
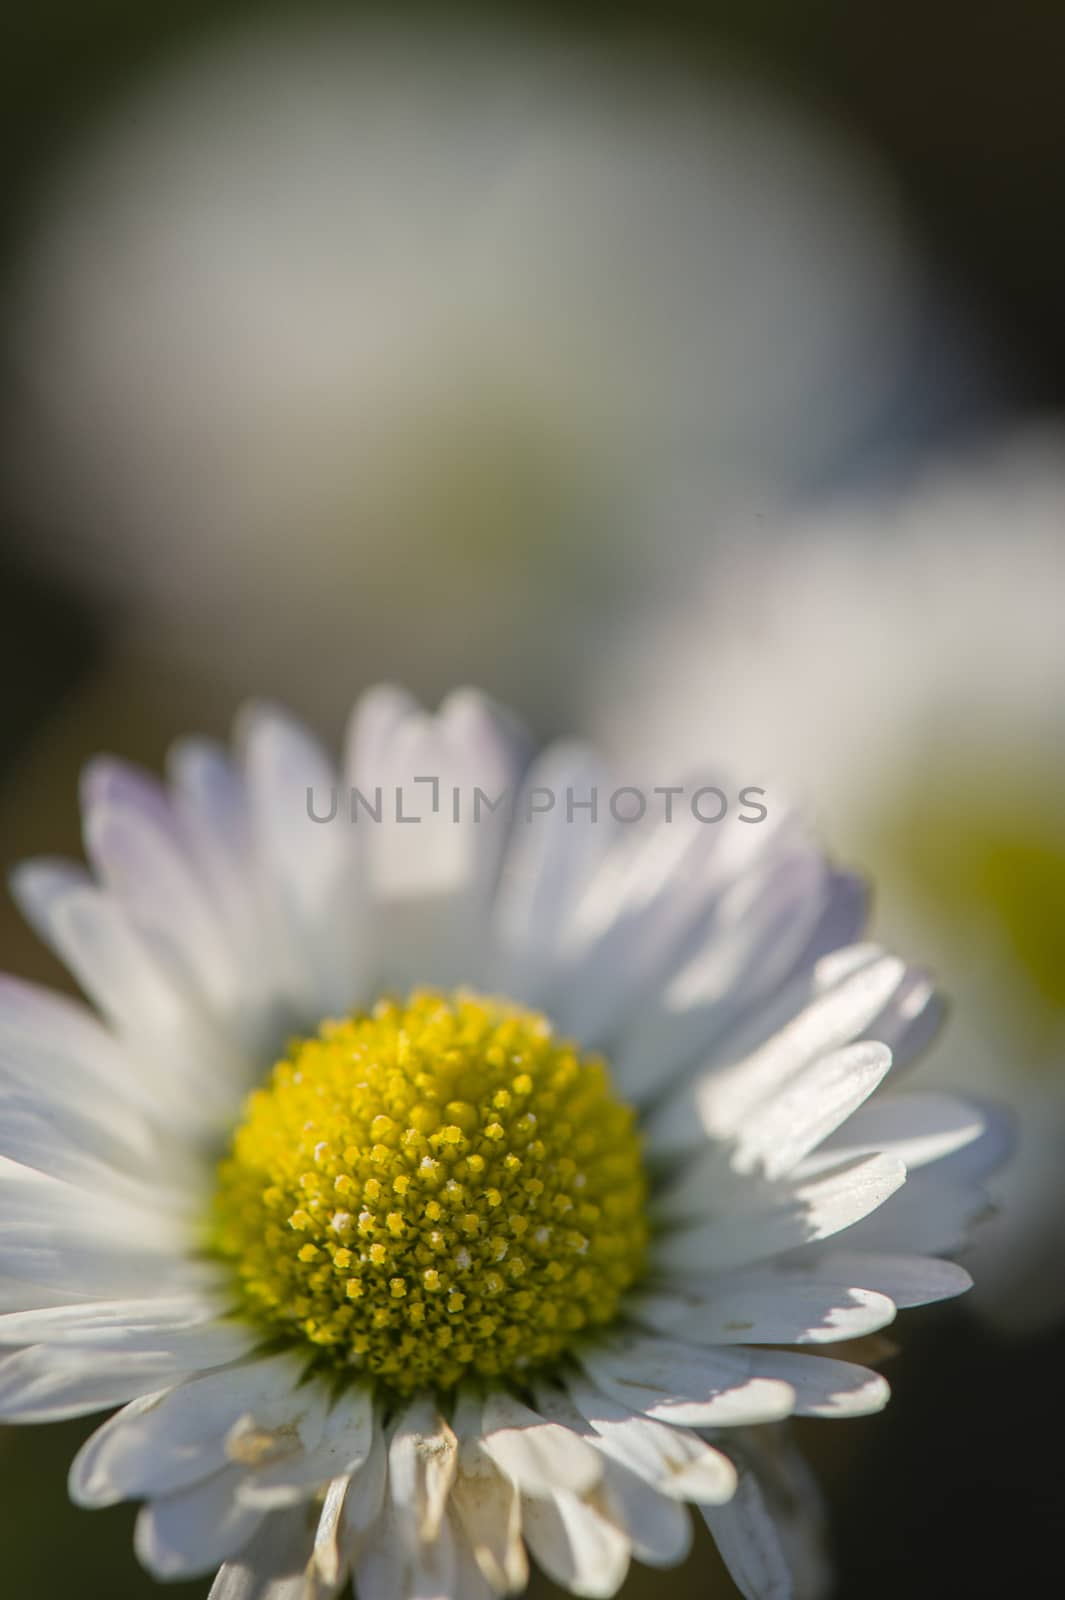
{"points": [[460, 1180]]}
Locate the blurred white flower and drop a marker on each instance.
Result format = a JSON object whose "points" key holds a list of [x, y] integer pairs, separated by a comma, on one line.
{"points": [[898, 665], [338, 325]]}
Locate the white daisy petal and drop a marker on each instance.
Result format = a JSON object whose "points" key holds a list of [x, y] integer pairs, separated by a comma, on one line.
{"points": [[91, 933], [941, 1204], [790, 1216], [487, 1504], [279, 1431], [55, 1049], [123, 1457], [931, 1215], [431, 870], [93, 1151], [111, 960], [917, 1128], [422, 1460], [18, 1294], [811, 1106], [347, 1434], [670, 1458], [764, 918], [378, 715], [653, 887], [767, 1306], [272, 1566], [366, 1490], [142, 862], [433, 1571], [980, 1158], [61, 1063], [168, 1441], [537, 1455], [844, 914], [792, 1499], [39, 885], [751, 1547], [211, 801], [744, 867], [108, 780], [658, 1527], [679, 1383], [907, 1280], [823, 1387], [381, 1557], [43, 1383], [549, 861], [210, 806], [575, 1544], [811, 981], [110, 1324], [35, 1207], [911, 1019], [469, 1579], [717, 1104], [81, 1263], [310, 865], [775, 1137], [183, 1534], [556, 1405], [490, 738], [54, 1234], [327, 1569], [194, 900]]}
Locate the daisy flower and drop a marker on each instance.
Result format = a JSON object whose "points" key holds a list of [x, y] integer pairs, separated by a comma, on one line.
{"points": [[351, 301], [433, 1194], [896, 664]]}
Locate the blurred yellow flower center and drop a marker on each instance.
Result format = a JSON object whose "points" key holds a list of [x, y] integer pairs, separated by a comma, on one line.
{"points": [[440, 1187], [983, 852]]}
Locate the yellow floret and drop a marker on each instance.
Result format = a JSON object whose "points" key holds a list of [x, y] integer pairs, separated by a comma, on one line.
{"points": [[421, 1116]]}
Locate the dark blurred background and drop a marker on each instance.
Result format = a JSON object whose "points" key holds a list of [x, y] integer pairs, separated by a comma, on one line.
{"points": [[958, 1488]]}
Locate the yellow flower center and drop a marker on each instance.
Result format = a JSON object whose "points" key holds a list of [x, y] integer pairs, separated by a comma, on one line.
{"points": [[437, 1188], [981, 850]]}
